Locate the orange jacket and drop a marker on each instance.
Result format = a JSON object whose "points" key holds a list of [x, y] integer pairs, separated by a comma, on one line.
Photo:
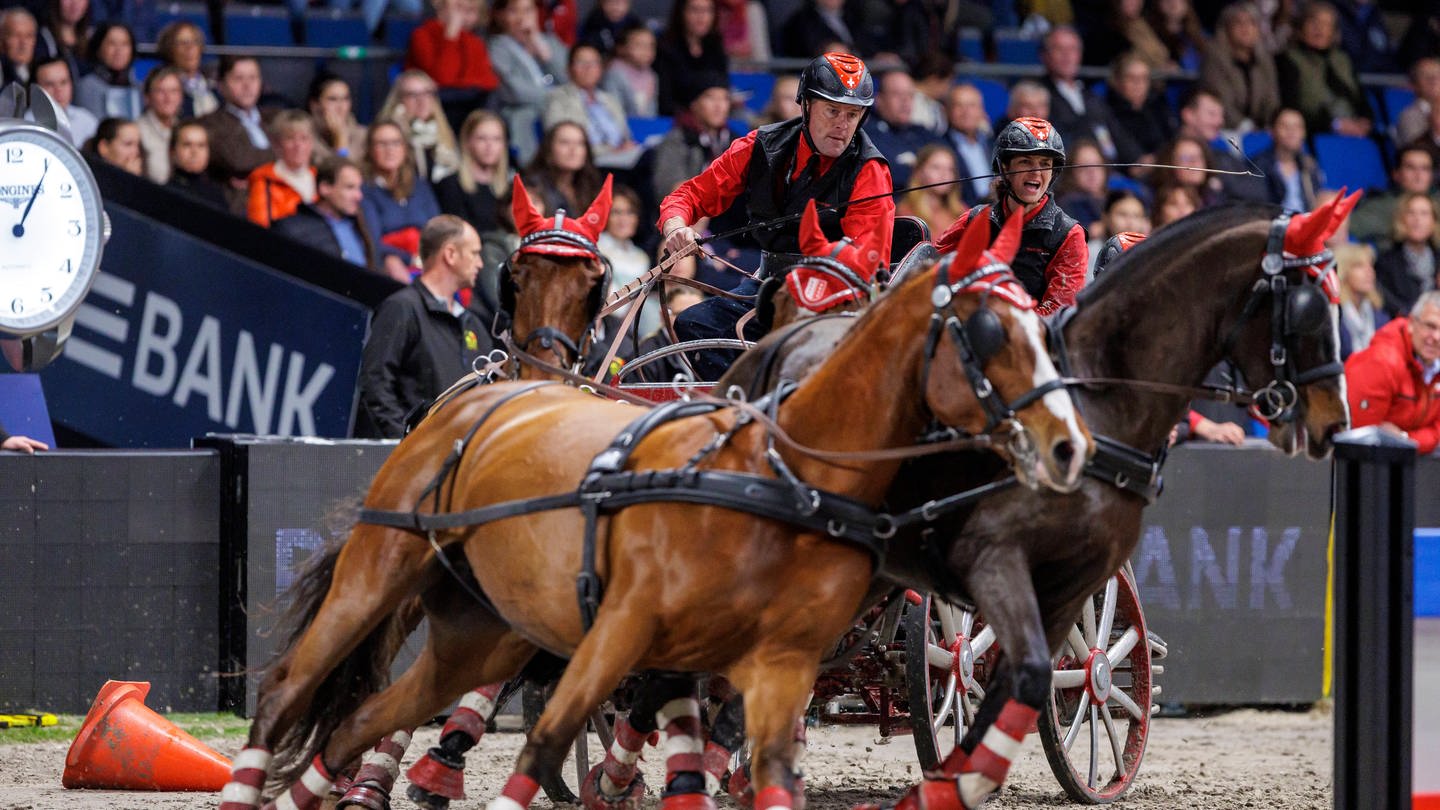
{"points": [[1385, 383], [271, 198]]}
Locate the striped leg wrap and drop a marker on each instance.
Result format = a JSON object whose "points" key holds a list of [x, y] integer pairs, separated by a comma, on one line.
{"points": [[308, 792], [247, 777], [618, 770], [717, 762], [989, 763], [381, 765], [517, 795], [684, 746], [469, 716]]}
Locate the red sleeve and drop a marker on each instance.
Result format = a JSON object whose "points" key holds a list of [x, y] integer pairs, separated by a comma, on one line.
{"points": [[951, 237], [1066, 273], [1194, 418], [871, 224], [461, 62], [712, 191]]}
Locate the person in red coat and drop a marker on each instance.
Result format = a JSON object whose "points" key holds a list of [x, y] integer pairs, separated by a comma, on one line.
{"points": [[1395, 381], [447, 49]]}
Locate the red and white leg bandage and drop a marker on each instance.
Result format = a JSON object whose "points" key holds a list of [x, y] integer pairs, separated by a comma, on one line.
{"points": [[470, 715], [618, 770], [309, 791], [684, 743], [986, 767], [517, 795], [381, 765], [247, 778]]}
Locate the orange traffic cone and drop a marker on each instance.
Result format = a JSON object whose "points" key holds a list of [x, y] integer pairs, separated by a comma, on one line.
{"points": [[124, 744]]}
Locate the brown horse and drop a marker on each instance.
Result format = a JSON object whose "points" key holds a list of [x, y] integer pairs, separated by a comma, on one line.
{"points": [[687, 587], [1193, 295]]}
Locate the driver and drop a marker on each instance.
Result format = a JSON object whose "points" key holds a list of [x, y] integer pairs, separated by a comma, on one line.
{"points": [[824, 156], [1028, 155]]}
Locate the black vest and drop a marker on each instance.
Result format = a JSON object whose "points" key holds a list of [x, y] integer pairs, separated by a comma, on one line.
{"points": [[1040, 240], [770, 196]]}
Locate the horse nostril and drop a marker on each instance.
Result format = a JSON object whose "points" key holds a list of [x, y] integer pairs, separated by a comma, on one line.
{"points": [[1063, 453]]}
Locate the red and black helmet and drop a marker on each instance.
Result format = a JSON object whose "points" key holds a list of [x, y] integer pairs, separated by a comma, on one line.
{"points": [[837, 77], [1027, 135]]}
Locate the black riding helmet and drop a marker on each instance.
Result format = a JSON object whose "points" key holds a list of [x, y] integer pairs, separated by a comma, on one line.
{"points": [[1027, 135], [837, 77]]}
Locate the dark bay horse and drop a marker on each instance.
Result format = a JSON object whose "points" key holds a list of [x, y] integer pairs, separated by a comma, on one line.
{"points": [[687, 587], [1193, 295]]}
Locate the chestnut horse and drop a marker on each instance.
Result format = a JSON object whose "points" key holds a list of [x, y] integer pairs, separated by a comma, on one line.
{"points": [[688, 587]]}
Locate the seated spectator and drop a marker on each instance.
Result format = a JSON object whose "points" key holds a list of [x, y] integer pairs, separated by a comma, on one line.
{"points": [[20, 444], [1074, 111], [628, 261], [397, 201], [337, 133], [18, 33], [701, 133], [934, 76], [1293, 176], [1139, 107], [817, 25], [238, 142], [1317, 78], [117, 142], [689, 45], [372, 10], [164, 96], [110, 90], [421, 339], [631, 75], [1373, 219], [1189, 153], [782, 105], [414, 104], [1178, 27], [1124, 30], [941, 205], [1027, 98], [969, 137], [278, 188], [581, 101], [54, 76], [1392, 382], [1276, 18], [1082, 187], [478, 192], [182, 45], [744, 29], [447, 49], [529, 62], [1174, 202], [1201, 118], [189, 162], [1364, 36], [606, 24], [561, 19], [1362, 308], [65, 28], [331, 223], [1422, 37], [1414, 120], [1240, 71], [1125, 213], [563, 175], [1429, 140], [1408, 269], [890, 126]]}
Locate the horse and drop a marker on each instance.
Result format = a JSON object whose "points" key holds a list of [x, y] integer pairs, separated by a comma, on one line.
{"points": [[1241, 284], [691, 587]]}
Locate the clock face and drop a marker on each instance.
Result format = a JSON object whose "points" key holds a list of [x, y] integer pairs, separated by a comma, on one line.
{"points": [[51, 229]]}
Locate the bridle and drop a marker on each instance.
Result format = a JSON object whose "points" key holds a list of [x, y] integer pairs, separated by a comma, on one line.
{"points": [[548, 337], [1295, 310]]}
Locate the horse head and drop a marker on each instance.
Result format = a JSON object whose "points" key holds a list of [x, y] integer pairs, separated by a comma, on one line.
{"points": [[828, 277], [554, 284], [990, 363]]}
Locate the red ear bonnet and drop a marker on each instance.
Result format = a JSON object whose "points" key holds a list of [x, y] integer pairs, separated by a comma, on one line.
{"points": [[529, 221]]}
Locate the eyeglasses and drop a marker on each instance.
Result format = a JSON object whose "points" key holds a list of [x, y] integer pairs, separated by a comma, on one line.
{"points": [[335, 99], [388, 144]]}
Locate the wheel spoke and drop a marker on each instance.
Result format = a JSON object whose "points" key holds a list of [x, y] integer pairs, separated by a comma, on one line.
{"points": [[984, 641], [938, 657], [1123, 646], [1115, 747], [978, 691], [1068, 679], [1107, 614], [1094, 748], [948, 623], [1075, 723], [1119, 696], [947, 706], [1077, 644], [1087, 620], [967, 622]]}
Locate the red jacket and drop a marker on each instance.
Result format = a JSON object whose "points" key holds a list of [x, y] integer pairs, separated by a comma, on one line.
{"points": [[462, 62], [870, 225], [1064, 272], [1386, 383]]}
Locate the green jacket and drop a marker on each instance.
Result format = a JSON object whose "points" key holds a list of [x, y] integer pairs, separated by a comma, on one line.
{"points": [[1322, 85]]}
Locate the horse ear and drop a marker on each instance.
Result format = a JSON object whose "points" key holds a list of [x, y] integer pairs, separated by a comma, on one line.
{"points": [[528, 218], [813, 241], [1307, 232], [1007, 244], [1343, 206], [599, 212], [975, 239]]}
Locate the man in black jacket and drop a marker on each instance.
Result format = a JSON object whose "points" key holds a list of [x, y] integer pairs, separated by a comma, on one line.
{"points": [[332, 223], [421, 339]]}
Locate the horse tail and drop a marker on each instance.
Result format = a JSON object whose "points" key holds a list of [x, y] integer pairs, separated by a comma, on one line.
{"points": [[360, 674]]}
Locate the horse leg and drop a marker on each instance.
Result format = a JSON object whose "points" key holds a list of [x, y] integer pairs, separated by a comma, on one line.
{"points": [[727, 734], [616, 782], [776, 693], [439, 775]]}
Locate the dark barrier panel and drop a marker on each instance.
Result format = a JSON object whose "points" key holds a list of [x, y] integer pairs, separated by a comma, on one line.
{"points": [[109, 565], [283, 500], [1232, 569]]}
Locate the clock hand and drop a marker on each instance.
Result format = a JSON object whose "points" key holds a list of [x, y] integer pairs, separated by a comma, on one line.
{"points": [[19, 229]]}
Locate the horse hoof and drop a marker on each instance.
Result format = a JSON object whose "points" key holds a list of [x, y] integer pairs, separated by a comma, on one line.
{"points": [[436, 774], [365, 795], [687, 801], [593, 798], [426, 800]]}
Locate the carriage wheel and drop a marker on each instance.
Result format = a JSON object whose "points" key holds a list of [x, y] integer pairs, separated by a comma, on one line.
{"points": [[556, 785], [1096, 722], [942, 645]]}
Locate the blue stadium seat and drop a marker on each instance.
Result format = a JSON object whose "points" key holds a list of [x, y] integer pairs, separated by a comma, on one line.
{"points": [[649, 130], [995, 95], [332, 28], [1396, 99], [1350, 162], [970, 44], [758, 85], [1253, 143], [166, 13], [1013, 49], [1121, 182], [142, 67], [257, 25], [398, 30]]}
